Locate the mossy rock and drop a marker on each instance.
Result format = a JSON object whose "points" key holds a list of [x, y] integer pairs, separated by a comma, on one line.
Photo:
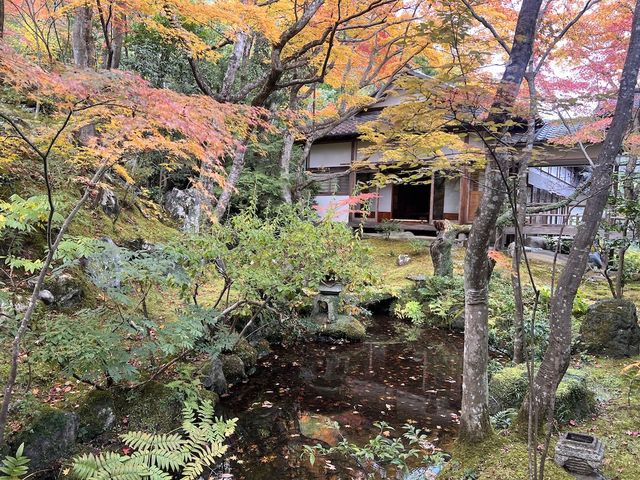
{"points": [[263, 348], [610, 328], [233, 368], [96, 415], [151, 408], [50, 437], [574, 399], [345, 327], [247, 353]]}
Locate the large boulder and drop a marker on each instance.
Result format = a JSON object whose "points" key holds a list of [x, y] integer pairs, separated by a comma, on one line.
{"points": [[574, 399], [96, 415], [153, 407], [319, 427], [247, 353], [214, 378], [344, 328], [50, 438], [185, 206], [233, 369], [66, 291], [611, 328]]}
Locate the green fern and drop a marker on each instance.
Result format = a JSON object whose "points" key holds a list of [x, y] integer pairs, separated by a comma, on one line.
{"points": [[158, 456], [14, 468]]}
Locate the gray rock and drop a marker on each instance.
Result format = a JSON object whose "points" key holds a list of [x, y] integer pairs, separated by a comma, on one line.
{"points": [[96, 415], [423, 473], [67, 290], [105, 268], [403, 259], [51, 437], [611, 328], [46, 297], [108, 201], [233, 369], [536, 242], [185, 206], [215, 379]]}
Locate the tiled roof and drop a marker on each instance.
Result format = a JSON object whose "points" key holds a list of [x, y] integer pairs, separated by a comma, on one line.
{"points": [[548, 131], [349, 128]]}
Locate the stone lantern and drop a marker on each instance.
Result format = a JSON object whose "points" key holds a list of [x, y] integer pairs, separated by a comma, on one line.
{"points": [[579, 453], [327, 303]]}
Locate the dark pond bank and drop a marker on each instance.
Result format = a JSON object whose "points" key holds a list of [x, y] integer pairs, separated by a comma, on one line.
{"points": [[386, 378]]}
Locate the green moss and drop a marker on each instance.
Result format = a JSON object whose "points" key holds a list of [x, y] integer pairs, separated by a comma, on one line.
{"points": [[96, 414], [247, 353], [500, 458], [345, 327], [574, 399], [233, 368], [151, 408]]}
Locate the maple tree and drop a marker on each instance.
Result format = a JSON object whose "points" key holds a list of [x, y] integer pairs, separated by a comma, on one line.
{"points": [[126, 117]]}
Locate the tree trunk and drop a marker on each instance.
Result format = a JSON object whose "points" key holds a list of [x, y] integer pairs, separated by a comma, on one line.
{"points": [[1, 19], [520, 220], [440, 249], [557, 356], [474, 420], [285, 165], [235, 60], [82, 38], [237, 165], [119, 28]]}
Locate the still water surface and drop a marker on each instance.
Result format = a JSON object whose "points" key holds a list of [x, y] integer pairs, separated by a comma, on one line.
{"points": [[385, 378]]}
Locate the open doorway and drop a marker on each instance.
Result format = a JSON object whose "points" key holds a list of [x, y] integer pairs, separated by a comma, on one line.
{"points": [[411, 201]]}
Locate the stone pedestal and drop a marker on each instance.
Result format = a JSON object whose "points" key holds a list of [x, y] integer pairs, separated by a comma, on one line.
{"points": [[579, 453]]}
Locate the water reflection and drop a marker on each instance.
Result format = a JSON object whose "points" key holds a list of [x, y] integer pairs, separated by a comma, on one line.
{"points": [[384, 378]]}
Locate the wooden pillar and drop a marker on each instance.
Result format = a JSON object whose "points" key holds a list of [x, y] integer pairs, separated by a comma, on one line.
{"points": [[463, 208]]}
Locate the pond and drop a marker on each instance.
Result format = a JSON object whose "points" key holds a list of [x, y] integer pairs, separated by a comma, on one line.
{"points": [[385, 378]]}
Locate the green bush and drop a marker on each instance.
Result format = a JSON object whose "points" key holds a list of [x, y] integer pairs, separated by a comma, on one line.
{"points": [[632, 264]]}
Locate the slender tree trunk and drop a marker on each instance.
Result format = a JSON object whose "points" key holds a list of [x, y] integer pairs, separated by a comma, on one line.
{"points": [[118, 28], [235, 60], [82, 38], [1, 19], [520, 220], [557, 356], [285, 165], [237, 165], [474, 419]]}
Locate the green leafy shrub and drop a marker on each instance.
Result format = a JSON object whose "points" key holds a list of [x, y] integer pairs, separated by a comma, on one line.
{"points": [[412, 310], [157, 456], [393, 453], [14, 467], [388, 228], [632, 265]]}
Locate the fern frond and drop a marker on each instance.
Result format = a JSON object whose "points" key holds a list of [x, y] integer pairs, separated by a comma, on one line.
{"points": [[14, 468], [148, 442], [90, 466]]}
